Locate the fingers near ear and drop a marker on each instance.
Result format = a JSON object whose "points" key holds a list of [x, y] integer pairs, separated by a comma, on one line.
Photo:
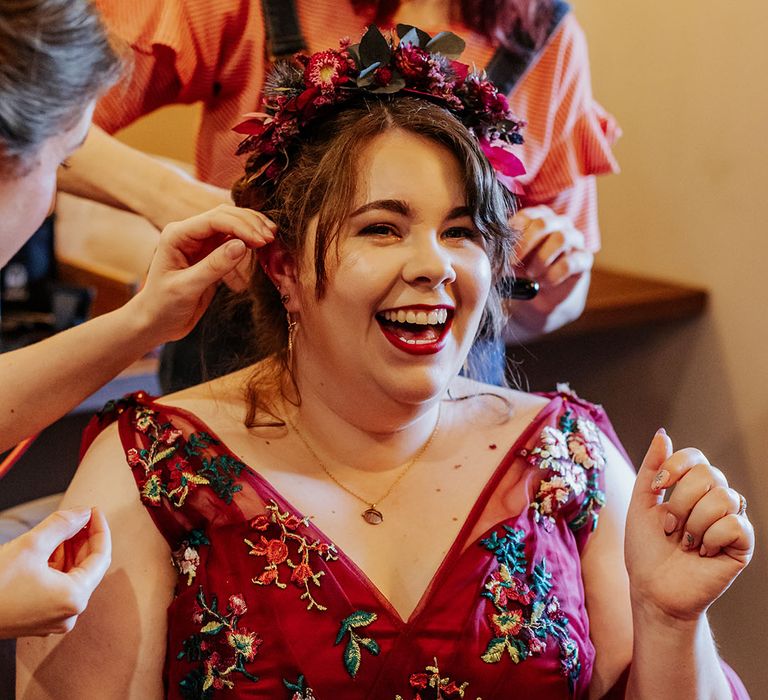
{"points": [[215, 265]]}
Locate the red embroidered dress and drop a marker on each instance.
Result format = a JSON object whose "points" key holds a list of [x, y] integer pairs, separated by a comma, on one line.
{"points": [[267, 607]]}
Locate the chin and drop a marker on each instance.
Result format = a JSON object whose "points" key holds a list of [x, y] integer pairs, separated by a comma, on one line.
{"points": [[419, 385]]}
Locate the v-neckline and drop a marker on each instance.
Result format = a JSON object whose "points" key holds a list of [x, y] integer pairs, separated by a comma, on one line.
{"points": [[454, 551]]}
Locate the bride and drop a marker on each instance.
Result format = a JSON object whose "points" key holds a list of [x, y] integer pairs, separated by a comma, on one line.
{"points": [[350, 518]]}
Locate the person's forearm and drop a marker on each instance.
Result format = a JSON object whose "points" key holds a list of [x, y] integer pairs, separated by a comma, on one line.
{"points": [[108, 171], [44, 381], [674, 659]]}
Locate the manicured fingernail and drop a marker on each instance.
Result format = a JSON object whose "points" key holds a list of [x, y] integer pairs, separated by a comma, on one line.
{"points": [[235, 249], [660, 480], [688, 541], [661, 431], [670, 523]]}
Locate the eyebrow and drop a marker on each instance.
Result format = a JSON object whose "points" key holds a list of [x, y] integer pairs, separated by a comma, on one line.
{"points": [[398, 206]]}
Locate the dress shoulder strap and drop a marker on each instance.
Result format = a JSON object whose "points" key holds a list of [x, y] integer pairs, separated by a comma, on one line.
{"points": [[507, 67]]}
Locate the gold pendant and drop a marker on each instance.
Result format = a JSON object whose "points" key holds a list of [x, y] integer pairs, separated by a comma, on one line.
{"points": [[373, 516]]}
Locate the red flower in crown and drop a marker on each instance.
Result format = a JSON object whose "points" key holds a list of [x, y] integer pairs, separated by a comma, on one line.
{"points": [[413, 63], [326, 69]]}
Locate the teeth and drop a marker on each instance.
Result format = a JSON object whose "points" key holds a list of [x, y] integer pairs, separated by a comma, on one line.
{"points": [[422, 318]]}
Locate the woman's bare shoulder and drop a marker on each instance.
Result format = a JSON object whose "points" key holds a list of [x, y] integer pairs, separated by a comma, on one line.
{"points": [[517, 401]]}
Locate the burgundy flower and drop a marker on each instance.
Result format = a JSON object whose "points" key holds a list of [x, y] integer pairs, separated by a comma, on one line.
{"points": [[382, 76], [413, 63], [419, 680]]}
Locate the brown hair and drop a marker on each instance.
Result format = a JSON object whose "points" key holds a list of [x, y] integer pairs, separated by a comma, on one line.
{"points": [[55, 57], [320, 181]]}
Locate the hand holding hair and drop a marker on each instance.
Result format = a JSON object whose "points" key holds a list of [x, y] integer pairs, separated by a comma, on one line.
{"points": [[192, 257]]}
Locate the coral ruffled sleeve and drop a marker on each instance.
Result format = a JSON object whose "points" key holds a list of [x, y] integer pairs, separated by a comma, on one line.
{"points": [[181, 52], [569, 136]]}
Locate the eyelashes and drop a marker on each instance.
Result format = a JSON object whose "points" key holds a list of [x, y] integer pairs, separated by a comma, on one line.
{"points": [[454, 232]]}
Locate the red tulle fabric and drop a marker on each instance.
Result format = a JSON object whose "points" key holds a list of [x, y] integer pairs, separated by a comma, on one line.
{"points": [[266, 607]]}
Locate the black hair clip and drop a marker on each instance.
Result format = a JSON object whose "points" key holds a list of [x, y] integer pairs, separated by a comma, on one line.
{"points": [[518, 288]]}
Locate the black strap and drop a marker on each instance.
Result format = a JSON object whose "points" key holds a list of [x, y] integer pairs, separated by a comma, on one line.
{"points": [[506, 67], [284, 37]]}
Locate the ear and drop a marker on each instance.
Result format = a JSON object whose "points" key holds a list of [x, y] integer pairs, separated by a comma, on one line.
{"points": [[280, 266]]}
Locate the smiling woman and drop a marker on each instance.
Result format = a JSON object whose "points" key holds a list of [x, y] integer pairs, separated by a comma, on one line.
{"points": [[339, 518]]}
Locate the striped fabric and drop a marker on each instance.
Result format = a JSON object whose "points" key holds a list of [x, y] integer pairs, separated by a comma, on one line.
{"points": [[212, 51]]}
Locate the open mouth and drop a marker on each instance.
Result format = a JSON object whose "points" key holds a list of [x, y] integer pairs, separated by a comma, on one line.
{"points": [[417, 330]]}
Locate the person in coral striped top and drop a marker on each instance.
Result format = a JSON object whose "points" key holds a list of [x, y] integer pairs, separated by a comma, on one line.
{"points": [[215, 52]]}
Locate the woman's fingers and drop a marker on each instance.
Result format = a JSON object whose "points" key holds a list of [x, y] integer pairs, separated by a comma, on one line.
{"points": [[574, 262], [702, 510], [197, 236], [91, 568], [49, 534], [215, 265], [732, 535], [692, 485], [695, 512]]}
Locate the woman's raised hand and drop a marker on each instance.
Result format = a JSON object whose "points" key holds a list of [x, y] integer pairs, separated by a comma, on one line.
{"points": [[682, 554], [192, 257], [47, 575]]}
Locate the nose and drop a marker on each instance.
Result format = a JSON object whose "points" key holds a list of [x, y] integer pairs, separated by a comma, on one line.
{"points": [[430, 263]]}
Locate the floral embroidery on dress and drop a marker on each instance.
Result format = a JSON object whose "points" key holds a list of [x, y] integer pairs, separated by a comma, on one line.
{"points": [[298, 689], [186, 557], [221, 645], [430, 685], [573, 454], [353, 651], [275, 549], [523, 614], [168, 471]]}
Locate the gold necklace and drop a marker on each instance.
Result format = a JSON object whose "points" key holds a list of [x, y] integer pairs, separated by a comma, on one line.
{"points": [[371, 514]]}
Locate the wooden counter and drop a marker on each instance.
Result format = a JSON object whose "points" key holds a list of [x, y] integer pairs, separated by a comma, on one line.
{"points": [[620, 300]]}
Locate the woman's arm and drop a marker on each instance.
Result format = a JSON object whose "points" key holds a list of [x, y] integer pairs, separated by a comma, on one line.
{"points": [[658, 610], [117, 648], [46, 380], [108, 171]]}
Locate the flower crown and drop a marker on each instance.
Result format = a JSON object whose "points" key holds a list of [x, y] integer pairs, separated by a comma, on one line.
{"points": [[298, 91]]}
